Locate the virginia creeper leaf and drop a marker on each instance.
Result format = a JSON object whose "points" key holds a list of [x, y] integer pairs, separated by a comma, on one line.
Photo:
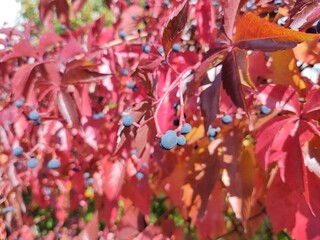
{"points": [[67, 108], [174, 26], [231, 80], [257, 33]]}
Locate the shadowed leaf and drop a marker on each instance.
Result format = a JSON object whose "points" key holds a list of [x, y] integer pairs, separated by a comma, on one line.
{"points": [[174, 26]]}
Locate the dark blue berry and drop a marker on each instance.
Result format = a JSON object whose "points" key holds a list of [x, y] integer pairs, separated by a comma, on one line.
{"points": [[32, 162], [169, 140], [17, 151], [311, 30], [34, 115], [122, 34], [124, 72], [176, 47], [54, 164], [9, 44], [182, 140], [186, 128], [176, 122], [146, 48], [226, 119], [265, 110], [127, 120]]}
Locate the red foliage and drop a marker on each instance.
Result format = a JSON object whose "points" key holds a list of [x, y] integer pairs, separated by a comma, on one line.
{"points": [[82, 83]]}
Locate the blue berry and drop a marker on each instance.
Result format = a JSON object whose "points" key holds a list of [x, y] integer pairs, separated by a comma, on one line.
{"points": [[139, 175], [98, 116], [32, 162], [34, 115], [9, 44], [146, 48], [161, 50], [131, 85], [265, 110], [176, 47], [6, 210], [89, 181], [182, 140], [211, 138], [124, 72], [134, 152], [186, 128], [212, 132], [127, 120], [226, 119], [17, 151], [18, 103], [134, 17], [169, 140], [86, 175], [54, 164], [122, 34]]}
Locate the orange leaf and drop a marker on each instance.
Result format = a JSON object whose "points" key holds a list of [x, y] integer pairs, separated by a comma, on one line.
{"points": [[257, 33], [285, 71]]}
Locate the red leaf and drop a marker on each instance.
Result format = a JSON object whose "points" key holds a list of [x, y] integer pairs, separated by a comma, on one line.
{"points": [[230, 9], [62, 9], [212, 223], [231, 80], [81, 76], [210, 98], [174, 26], [215, 58], [70, 50], [46, 13], [22, 80], [139, 192], [21, 49], [94, 32], [265, 138], [77, 5], [91, 229], [304, 14], [46, 40], [312, 100], [113, 178], [287, 208], [67, 108], [280, 97]]}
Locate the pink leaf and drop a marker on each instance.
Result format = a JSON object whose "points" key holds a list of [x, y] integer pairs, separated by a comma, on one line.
{"points": [[230, 9], [113, 178], [67, 108]]}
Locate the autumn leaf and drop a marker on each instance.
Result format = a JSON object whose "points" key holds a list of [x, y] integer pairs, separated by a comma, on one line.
{"points": [[285, 71], [254, 33], [174, 26]]}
